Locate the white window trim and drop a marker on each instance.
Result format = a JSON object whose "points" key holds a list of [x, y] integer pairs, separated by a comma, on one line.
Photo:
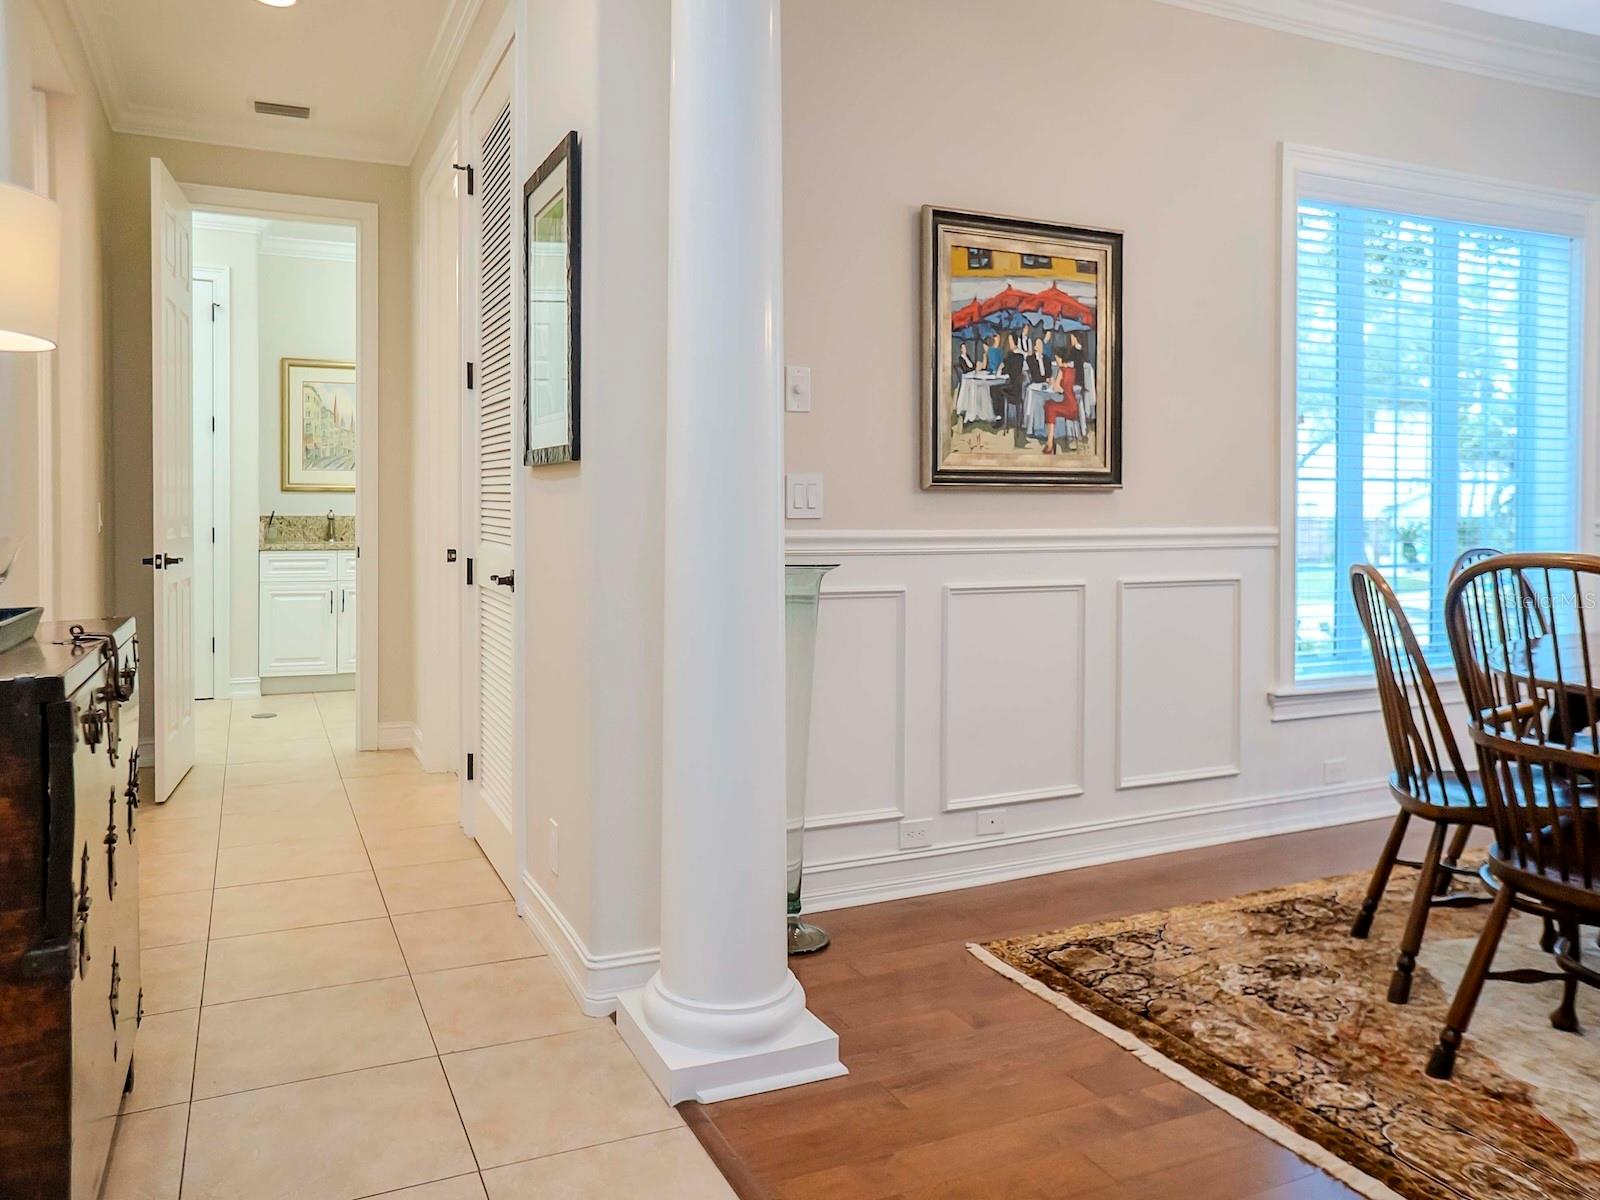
{"points": [[1382, 183]]}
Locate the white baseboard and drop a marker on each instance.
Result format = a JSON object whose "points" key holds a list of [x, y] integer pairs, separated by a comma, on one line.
{"points": [[595, 980], [397, 735], [845, 883], [245, 687]]}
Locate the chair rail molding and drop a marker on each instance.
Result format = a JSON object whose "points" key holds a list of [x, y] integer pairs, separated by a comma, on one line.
{"points": [[1501, 49], [817, 543]]}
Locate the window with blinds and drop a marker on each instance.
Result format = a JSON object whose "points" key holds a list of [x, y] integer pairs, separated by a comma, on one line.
{"points": [[1436, 410]]}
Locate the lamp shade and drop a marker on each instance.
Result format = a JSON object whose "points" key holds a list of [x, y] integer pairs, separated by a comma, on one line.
{"points": [[30, 264]]}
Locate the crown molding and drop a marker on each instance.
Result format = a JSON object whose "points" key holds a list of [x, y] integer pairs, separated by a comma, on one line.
{"points": [[286, 138], [229, 222], [323, 249], [278, 245], [442, 59], [1365, 28]]}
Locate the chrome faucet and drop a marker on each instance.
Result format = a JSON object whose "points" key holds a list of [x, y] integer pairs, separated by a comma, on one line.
{"points": [[330, 525]]}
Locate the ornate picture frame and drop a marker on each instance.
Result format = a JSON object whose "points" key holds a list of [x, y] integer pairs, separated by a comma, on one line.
{"points": [[1022, 353], [319, 409]]}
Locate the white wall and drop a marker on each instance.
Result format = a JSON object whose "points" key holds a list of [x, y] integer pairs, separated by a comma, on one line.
{"points": [[236, 251], [1104, 684], [308, 310]]}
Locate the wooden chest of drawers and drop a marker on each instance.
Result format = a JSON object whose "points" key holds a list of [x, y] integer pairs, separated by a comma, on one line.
{"points": [[70, 1001]]}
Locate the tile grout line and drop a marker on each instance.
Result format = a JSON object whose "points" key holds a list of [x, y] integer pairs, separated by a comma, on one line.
{"points": [[410, 976], [205, 958]]}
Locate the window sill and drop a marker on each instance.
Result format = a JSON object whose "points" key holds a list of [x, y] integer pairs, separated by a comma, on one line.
{"points": [[1342, 697], [1346, 696]]}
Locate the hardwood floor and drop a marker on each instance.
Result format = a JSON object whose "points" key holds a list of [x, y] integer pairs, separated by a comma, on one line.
{"points": [[962, 1085]]}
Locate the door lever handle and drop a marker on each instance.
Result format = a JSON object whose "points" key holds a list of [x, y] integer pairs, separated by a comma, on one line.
{"points": [[173, 560], [508, 580], [155, 561]]}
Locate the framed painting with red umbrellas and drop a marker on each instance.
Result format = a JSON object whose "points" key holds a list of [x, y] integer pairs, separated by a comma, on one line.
{"points": [[1022, 353]]}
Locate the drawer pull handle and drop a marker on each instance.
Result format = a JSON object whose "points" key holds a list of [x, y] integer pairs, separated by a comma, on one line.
{"points": [[94, 726]]}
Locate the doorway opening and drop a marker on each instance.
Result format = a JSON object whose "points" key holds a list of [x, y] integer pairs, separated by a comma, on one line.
{"points": [[277, 400], [265, 412]]}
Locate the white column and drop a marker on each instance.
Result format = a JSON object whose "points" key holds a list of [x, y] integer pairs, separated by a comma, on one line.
{"points": [[724, 1016]]}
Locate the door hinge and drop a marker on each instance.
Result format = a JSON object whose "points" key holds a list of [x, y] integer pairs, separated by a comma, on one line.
{"points": [[213, 424], [213, 535], [471, 179], [213, 645], [469, 764], [469, 572], [471, 376]]}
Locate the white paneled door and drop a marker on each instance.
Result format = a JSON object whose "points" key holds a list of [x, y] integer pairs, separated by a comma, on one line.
{"points": [[172, 472], [492, 469]]}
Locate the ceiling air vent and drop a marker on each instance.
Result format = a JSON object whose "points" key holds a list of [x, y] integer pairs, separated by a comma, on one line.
{"points": [[271, 108]]}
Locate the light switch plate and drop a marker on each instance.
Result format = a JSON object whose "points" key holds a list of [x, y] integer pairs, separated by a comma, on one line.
{"points": [[797, 390], [802, 496]]}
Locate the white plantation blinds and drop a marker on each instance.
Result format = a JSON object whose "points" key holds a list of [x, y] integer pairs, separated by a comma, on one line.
{"points": [[1437, 398], [495, 382]]}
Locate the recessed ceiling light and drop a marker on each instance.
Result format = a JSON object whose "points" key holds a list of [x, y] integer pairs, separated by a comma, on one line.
{"points": [[279, 3]]}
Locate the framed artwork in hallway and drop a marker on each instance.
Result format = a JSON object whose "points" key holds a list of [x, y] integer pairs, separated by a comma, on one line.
{"points": [[1022, 353], [318, 425], [550, 274]]}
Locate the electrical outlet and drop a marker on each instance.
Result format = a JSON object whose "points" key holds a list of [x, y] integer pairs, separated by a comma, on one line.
{"points": [[553, 847], [1334, 770], [991, 822], [916, 835]]}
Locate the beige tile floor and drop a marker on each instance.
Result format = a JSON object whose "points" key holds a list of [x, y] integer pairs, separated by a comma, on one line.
{"points": [[341, 1002]]}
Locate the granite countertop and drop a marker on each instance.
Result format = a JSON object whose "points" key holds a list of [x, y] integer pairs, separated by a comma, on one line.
{"points": [[296, 532]]}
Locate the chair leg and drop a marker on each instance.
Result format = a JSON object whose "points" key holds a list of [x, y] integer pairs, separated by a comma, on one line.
{"points": [[1417, 922], [1565, 1017], [1380, 875], [1452, 856], [1443, 1062], [1548, 939]]}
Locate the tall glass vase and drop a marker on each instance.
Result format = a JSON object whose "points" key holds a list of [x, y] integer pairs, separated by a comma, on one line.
{"points": [[803, 587]]}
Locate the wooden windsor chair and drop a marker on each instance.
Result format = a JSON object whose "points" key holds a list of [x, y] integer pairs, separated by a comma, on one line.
{"points": [[1430, 780], [1537, 780]]}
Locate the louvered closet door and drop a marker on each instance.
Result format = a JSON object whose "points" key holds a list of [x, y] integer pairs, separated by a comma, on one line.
{"points": [[494, 412]]}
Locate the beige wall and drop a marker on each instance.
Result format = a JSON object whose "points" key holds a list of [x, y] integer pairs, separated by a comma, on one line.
{"points": [[1136, 116], [41, 50], [192, 162]]}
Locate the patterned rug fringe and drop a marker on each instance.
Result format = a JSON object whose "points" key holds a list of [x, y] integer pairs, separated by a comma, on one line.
{"points": [[1314, 1154]]}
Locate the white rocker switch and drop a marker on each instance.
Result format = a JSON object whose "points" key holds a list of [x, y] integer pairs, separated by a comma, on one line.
{"points": [[802, 497]]}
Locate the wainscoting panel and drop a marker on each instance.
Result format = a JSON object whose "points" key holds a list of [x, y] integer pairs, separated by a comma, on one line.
{"points": [[1013, 693], [1177, 679], [1043, 699], [856, 768]]}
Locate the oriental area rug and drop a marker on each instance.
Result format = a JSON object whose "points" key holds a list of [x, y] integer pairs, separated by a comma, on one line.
{"points": [[1267, 1007]]}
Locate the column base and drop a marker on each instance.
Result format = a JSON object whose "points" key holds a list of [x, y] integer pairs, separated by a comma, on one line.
{"points": [[804, 1053]]}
